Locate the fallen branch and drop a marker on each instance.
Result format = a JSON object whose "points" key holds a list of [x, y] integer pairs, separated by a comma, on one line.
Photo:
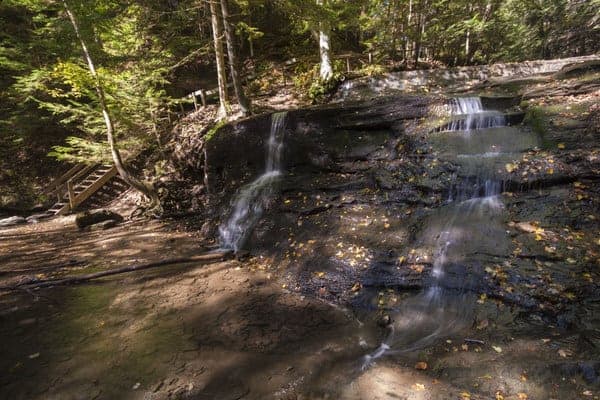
{"points": [[36, 284]]}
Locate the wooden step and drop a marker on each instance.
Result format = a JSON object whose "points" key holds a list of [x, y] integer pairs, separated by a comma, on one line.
{"points": [[85, 182], [57, 206]]}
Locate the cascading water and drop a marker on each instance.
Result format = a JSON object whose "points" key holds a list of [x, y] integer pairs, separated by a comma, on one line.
{"points": [[463, 231], [469, 114], [254, 198]]}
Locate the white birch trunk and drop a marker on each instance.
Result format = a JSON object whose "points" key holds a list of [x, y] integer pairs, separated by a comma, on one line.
{"points": [[326, 71]]}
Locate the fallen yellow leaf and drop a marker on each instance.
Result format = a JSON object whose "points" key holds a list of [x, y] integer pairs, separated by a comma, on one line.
{"points": [[497, 349], [421, 365], [561, 146]]}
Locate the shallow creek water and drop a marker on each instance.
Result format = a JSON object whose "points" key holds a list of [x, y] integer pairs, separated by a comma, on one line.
{"points": [[469, 225]]}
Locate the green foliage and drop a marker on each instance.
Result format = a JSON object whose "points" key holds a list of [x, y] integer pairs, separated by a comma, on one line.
{"points": [[373, 70], [214, 129], [321, 88], [132, 65]]}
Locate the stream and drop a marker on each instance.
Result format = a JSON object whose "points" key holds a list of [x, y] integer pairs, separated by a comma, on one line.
{"points": [[471, 223]]}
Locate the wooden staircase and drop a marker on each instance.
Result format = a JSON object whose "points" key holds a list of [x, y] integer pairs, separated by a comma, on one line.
{"points": [[77, 185]]}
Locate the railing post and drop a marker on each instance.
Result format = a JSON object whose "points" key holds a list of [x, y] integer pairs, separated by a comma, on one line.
{"points": [[71, 194], [203, 97]]}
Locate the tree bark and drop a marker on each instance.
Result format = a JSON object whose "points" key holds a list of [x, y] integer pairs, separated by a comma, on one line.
{"points": [[325, 71], [233, 61], [145, 188], [220, 59]]}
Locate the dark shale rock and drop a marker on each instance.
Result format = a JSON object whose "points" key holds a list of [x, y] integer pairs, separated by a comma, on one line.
{"points": [[92, 217]]}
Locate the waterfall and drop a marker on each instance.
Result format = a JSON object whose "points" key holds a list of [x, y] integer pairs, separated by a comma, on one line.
{"points": [[469, 115], [469, 225], [253, 198]]}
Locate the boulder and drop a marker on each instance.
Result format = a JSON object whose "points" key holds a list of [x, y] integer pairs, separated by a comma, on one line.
{"points": [[92, 217], [10, 221]]}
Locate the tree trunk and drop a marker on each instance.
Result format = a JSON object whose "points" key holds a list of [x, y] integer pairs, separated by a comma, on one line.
{"points": [[325, 72], [220, 59], [233, 61], [467, 47], [144, 187], [250, 41]]}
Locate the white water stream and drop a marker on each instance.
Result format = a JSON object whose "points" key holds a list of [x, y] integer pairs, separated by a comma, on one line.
{"points": [[252, 199], [469, 115], [460, 232]]}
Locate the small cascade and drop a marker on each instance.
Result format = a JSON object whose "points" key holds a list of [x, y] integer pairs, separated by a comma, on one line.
{"points": [[252, 199], [461, 233], [469, 115]]}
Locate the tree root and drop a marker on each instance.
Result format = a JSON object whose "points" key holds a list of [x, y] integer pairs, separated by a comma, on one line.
{"points": [[205, 258]]}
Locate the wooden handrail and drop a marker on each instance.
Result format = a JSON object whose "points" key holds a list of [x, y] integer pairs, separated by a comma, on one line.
{"points": [[56, 184], [90, 190], [82, 173]]}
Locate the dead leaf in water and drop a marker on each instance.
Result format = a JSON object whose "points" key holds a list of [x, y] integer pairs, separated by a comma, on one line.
{"points": [[526, 227], [510, 167], [564, 353], [482, 298], [418, 268], [483, 324]]}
